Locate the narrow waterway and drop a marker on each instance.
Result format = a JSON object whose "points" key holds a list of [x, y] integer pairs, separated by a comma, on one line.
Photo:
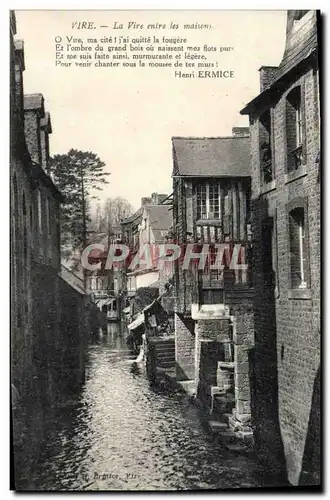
{"points": [[120, 434]]}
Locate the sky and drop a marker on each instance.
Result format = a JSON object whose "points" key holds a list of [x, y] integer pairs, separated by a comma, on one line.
{"points": [[127, 116]]}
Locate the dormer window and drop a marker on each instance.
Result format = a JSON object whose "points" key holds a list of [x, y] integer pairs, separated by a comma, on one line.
{"points": [[265, 144], [294, 129]]}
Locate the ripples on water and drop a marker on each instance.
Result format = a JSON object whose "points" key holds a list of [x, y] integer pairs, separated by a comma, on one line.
{"points": [[120, 434]]}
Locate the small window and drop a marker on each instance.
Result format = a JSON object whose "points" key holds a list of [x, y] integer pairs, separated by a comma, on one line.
{"points": [[208, 201], [265, 141], [294, 129], [299, 265]]}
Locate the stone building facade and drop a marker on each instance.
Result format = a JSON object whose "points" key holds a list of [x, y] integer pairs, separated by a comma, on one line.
{"points": [[285, 168], [50, 318], [214, 308], [35, 233]]}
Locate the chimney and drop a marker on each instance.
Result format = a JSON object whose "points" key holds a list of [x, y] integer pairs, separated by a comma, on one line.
{"points": [[154, 198], [267, 75], [145, 201], [34, 112], [161, 198], [241, 132]]}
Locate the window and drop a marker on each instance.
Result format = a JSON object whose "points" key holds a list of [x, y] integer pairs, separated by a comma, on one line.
{"points": [[208, 201], [294, 129], [265, 141], [299, 265]]}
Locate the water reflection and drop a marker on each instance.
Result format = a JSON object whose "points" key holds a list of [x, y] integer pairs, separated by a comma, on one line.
{"points": [[120, 434]]}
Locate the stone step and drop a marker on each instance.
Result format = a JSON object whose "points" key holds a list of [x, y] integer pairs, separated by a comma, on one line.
{"points": [[237, 448], [165, 358], [164, 343], [165, 353], [226, 416], [172, 351], [166, 364], [224, 396], [223, 404], [217, 426], [245, 436], [189, 386], [227, 436]]}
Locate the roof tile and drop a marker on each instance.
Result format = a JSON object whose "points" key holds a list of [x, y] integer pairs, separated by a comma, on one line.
{"points": [[211, 156]]}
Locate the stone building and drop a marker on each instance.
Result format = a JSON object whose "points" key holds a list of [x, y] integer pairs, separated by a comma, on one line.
{"points": [[285, 154], [150, 224], [213, 314], [107, 287], [35, 250], [50, 318]]}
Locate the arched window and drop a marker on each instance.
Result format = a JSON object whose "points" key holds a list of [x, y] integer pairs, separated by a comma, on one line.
{"points": [[294, 128], [299, 262]]}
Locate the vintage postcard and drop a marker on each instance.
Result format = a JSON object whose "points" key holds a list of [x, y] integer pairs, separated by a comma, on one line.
{"points": [[165, 179]]}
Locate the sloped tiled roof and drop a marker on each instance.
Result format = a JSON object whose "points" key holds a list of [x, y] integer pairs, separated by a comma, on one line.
{"points": [[160, 219], [211, 156], [301, 42], [72, 279], [131, 218]]}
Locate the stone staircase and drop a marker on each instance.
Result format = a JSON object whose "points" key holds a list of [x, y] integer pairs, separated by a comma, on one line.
{"points": [[164, 350], [232, 433]]}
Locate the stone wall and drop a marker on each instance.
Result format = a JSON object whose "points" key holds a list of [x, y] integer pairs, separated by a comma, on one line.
{"points": [[287, 322], [184, 347], [243, 339], [210, 335]]}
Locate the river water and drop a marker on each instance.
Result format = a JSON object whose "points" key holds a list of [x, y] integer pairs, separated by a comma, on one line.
{"points": [[121, 434]]}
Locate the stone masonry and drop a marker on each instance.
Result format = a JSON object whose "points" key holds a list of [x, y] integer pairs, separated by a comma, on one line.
{"points": [[287, 317]]}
